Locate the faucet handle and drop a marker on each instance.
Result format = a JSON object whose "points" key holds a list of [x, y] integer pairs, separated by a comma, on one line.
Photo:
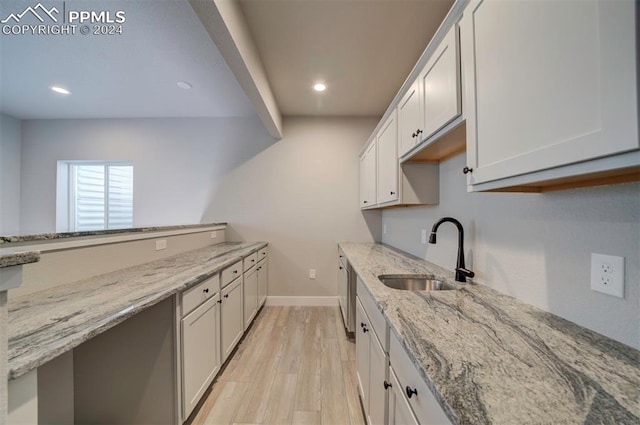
{"points": [[465, 272]]}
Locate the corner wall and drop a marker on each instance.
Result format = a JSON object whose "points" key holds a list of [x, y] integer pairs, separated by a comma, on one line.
{"points": [[536, 247], [300, 195], [10, 142]]}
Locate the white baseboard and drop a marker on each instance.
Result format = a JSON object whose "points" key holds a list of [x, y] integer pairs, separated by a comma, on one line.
{"points": [[302, 301]]}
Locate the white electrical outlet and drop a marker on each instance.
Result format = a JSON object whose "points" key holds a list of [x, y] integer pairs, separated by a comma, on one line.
{"points": [[161, 244], [312, 273], [607, 274], [423, 236], [214, 234], [384, 229]]}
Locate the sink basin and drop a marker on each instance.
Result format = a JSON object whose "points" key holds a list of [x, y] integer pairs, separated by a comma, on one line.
{"points": [[414, 282]]}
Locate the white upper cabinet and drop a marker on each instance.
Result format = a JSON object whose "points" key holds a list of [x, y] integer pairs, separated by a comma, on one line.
{"points": [[547, 84], [388, 161], [368, 177], [409, 119], [440, 99]]}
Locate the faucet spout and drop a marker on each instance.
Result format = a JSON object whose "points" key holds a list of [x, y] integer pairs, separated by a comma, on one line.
{"points": [[461, 271]]}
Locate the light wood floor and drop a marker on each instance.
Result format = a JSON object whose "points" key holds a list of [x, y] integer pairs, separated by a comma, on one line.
{"points": [[295, 366]]}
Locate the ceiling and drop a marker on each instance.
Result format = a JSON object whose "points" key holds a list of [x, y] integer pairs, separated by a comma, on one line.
{"points": [[118, 76], [362, 49]]}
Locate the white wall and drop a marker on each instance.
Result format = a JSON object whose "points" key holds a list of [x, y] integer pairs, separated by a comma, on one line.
{"points": [[300, 195], [536, 247], [10, 139], [176, 161]]}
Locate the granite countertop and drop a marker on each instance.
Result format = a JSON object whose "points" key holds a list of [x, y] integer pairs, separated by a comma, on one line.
{"points": [[67, 235], [48, 323], [489, 358], [19, 258]]}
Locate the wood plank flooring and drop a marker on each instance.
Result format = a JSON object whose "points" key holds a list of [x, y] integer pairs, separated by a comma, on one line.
{"points": [[294, 366]]}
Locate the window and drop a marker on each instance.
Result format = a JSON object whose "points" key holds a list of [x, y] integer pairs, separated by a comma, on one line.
{"points": [[99, 195]]}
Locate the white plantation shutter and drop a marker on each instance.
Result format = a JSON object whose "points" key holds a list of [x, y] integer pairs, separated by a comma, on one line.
{"points": [[101, 196]]}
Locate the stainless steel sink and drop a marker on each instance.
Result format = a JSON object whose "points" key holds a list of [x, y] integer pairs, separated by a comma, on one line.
{"points": [[414, 282]]}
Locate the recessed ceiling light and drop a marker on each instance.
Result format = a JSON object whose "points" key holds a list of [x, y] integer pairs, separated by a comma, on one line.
{"points": [[319, 87], [184, 85], [59, 90]]}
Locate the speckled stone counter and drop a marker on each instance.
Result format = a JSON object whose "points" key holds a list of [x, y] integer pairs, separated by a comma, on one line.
{"points": [[19, 258], [68, 235], [48, 323], [490, 358]]}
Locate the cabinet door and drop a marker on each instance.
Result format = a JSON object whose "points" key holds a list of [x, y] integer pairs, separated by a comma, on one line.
{"points": [[263, 277], [409, 119], [377, 377], [399, 410], [547, 84], [232, 318], [440, 83], [200, 352], [363, 332], [250, 297], [368, 177], [387, 164]]}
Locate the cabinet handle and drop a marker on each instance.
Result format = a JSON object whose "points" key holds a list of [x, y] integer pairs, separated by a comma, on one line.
{"points": [[413, 135], [226, 296], [387, 385], [340, 267], [392, 193], [418, 132], [365, 202], [206, 291], [411, 392], [219, 301], [362, 324], [365, 330], [467, 170], [235, 272]]}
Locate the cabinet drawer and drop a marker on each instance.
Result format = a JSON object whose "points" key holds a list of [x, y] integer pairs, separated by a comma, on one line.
{"points": [[378, 322], [231, 273], [193, 297], [424, 404], [262, 253], [250, 261]]}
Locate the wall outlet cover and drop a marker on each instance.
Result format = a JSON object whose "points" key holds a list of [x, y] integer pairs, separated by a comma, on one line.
{"points": [[161, 244], [607, 274], [312, 273], [214, 234], [423, 236]]}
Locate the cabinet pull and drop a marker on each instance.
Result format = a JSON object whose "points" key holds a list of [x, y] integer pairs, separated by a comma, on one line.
{"points": [[362, 324], [235, 272], [365, 202], [365, 330], [392, 193], [226, 295], [413, 135], [219, 301], [206, 291], [411, 392], [340, 267], [418, 132], [467, 170], [387, 385]]}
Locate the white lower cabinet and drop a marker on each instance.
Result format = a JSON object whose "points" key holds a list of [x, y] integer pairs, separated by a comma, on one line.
{"points": [[363, 335], [399, 410], [232, 319], [200, 352], [250, 296], [371, 364], [413, 388], [263, 278]]}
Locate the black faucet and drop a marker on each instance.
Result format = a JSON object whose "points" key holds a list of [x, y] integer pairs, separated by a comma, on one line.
{"points": [[461, 272]]}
